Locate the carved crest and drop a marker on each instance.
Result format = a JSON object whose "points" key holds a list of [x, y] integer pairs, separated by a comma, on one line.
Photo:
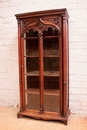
{"points": [[41, 24]]}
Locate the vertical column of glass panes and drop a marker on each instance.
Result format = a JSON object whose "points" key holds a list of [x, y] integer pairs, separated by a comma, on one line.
{"points": [[31, 56], [51, 71]]}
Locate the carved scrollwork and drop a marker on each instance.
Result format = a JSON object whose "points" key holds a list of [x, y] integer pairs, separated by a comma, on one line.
{"points": [[57, 21], [41, 24], [49, 23], [40, 34], [30, 25], [25, 24]]}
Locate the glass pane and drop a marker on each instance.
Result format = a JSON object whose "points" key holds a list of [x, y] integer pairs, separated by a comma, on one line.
{"points": [[51, 83], [32, 47], [51, 46], [32, 82], [31, 43], [51, 64], [32, 101], [51, 103], [51, 92], [51, 71], [32, 93], [32, 64]]}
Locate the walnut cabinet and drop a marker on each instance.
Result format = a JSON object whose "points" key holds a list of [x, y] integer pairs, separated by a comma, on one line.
{"points": [[44, 64]]}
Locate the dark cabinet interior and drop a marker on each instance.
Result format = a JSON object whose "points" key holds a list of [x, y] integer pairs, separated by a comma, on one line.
{"points": [[43, 64]]}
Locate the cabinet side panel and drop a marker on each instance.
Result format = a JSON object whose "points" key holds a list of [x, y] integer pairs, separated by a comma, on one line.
{"points": [[61, 66], [23, 78], [41, 78], [68, 63], [65, 65], [20, 71]]}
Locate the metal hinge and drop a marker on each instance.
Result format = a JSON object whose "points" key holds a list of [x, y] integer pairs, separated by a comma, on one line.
{"points": [[20, 80], [64, 82]]}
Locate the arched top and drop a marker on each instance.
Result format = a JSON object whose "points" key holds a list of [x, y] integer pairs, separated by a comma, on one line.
{"points": [[50, 23], [40, 25], [31, 33], [50, 31], [29, 26]]}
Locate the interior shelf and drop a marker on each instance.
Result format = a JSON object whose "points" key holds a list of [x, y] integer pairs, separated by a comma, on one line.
{"points": [[43, 56], [43, 37], [51, 73], [32, 73], [31, 38], [32, 55], [55, 36], [46, 73], [46, 53], [46, 92]]}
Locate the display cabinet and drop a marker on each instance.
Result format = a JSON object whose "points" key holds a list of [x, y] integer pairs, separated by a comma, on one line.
{"points": [[43, 50]]}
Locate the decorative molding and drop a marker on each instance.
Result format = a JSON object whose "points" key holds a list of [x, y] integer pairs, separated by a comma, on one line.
{"points": [[64, 19], [22, 34], [41, 24], [30, 25], [50, 23], [40, 34], [19, 22]]}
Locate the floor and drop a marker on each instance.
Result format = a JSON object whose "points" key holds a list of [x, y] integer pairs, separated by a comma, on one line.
{"points": [[9, 121]]}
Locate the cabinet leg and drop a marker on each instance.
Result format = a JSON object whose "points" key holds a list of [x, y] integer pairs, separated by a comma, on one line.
{"points": [[65, 122], [19, 115]]}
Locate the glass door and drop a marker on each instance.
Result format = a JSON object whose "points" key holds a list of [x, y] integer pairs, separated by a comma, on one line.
{"points": [[31, 56], [40, 76], [51, 71]]}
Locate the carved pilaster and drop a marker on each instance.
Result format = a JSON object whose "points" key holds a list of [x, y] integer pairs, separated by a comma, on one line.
{"points": [[40, 34], [19, 22], [65, 19], [22, 33]]}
